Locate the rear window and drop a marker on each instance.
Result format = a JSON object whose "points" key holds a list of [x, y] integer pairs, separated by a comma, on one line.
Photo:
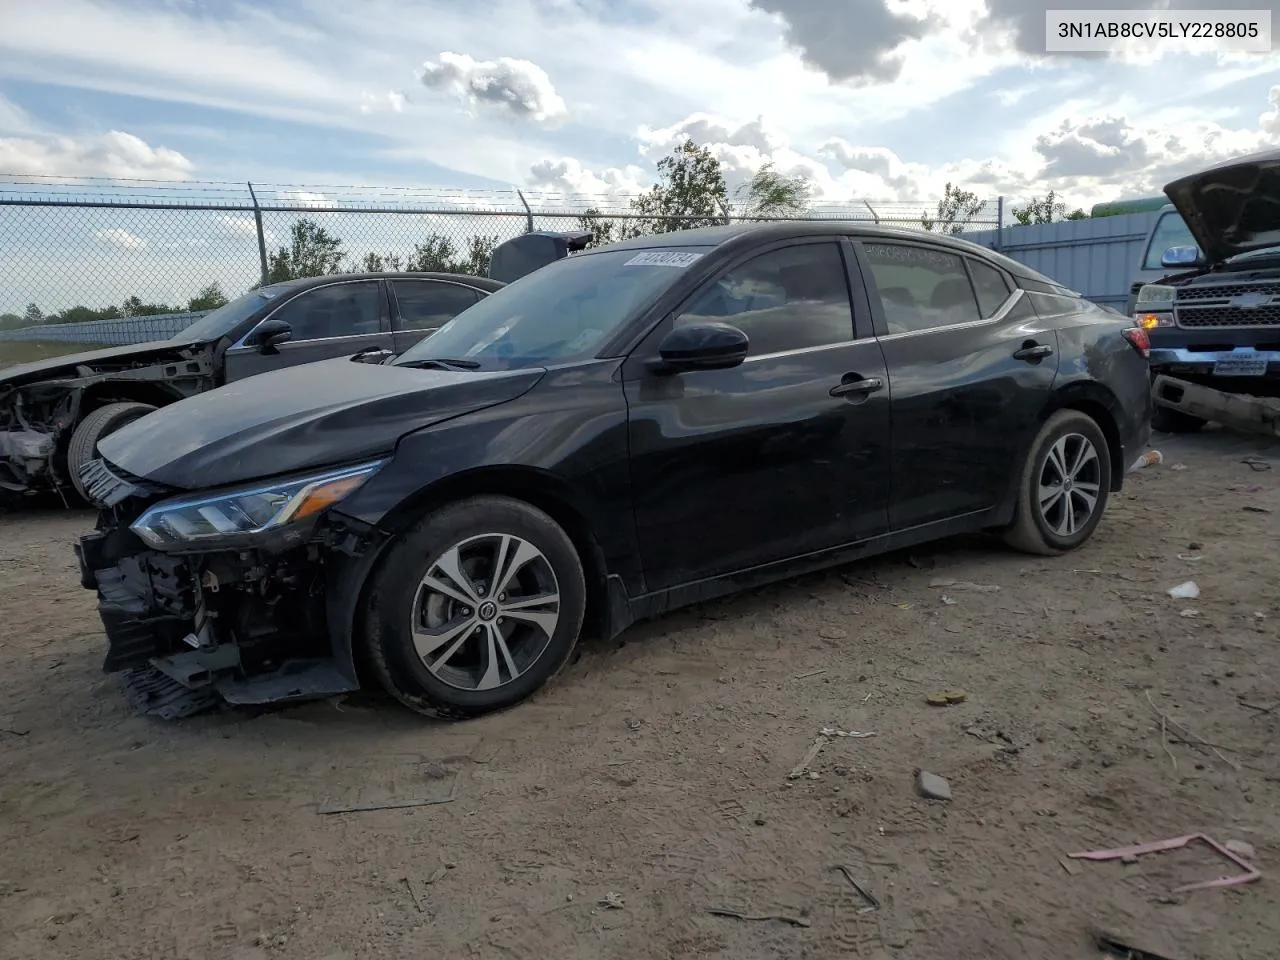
{"points": [[1171, 231]]}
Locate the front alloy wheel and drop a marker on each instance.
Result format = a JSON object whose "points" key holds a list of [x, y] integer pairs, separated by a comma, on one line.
{"points": [[1070, 483], [475, 607]]}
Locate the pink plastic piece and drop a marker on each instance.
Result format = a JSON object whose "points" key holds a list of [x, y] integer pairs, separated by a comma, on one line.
{"points": [[1251, 873]]}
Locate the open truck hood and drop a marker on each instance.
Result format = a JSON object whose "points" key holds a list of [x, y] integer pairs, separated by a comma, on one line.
{"points": [[1232, 208], [312, 415]]}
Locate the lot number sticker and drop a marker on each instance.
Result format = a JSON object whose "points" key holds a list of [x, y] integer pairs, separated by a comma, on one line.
{"points": [[663, 259]]}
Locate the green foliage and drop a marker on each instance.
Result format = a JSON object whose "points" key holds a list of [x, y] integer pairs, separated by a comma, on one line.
{"points": [[1046, 209], [770, 195], [955, 211], [11, 321], [33, 314], [210, 298], [312, 252]]}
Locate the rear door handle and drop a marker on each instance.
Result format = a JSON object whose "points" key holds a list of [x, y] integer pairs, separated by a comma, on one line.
{"points": [[1033, 352], [851, 388]]}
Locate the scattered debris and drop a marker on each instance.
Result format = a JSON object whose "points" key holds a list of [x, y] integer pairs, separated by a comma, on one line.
{"points": [[15, 733], [872, 902], [612, 901], [1189, 613], [904, 606], [1257, 464], [1261, 710], [833, 633], [825, 736], [1177, 466], [735, 915], [1241, 849], [1190, 558], [1255, 508], [1148, 459], [1071, 866], [393, 804], [413, 893], [932, 787], [1249, 875], [948, 601], [1117, 946], [1187, 736], [964, 585], [946, 698], [811, 673], [1184, 591]]}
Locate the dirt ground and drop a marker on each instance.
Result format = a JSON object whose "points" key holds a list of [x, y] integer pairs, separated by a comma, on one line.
{"points": [[604, 818]]}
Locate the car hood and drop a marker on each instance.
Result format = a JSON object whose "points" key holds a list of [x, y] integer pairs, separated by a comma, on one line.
{"points": [[66, 364], [1232, 208], [312, 415]]}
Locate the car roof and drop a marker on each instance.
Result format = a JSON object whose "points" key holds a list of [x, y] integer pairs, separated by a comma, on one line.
{"points": [[786, 229], [303, 283]]}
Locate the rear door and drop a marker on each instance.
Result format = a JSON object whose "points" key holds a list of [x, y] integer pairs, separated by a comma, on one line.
{"points": [[971, 366], [334, 320], [421, 307]]}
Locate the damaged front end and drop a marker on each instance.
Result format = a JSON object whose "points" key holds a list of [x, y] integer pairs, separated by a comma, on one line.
{"points": [[32, 422], [242, 596]]}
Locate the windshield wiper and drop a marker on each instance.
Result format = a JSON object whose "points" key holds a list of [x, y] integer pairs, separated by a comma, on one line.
{"points": [[443, 363]]}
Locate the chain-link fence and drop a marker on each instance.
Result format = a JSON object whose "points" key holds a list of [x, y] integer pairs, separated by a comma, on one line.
{"points": [[129, 261]]}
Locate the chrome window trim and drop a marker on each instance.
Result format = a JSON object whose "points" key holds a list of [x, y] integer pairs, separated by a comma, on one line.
{"points": [[996, 317], [240, 344]]}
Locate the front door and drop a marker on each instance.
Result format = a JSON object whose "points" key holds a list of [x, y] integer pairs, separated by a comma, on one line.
{"points": [[740, 467], [334, 320], [971, 365], [424, 306]]}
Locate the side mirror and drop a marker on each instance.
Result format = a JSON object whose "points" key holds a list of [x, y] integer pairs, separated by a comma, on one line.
{"points": [[1182, 257], [270, 334], [702, 346]]}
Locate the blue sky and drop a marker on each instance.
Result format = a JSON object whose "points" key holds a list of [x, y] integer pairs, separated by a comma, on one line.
{"points": [[879, 100]]}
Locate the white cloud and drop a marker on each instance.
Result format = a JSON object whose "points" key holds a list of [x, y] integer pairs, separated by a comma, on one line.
{"points": [[567, 177], [393, 100], [112, 154], [121, 239], [1270, 121], [516, 88], [303, 198], [243, 228]]}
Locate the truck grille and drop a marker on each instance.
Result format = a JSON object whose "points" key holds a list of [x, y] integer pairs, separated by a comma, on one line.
{"points": [[1228, 305]]}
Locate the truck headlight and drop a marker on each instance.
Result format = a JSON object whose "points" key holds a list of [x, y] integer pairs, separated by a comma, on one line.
{"points": [[247, 511], [1155, 295]]}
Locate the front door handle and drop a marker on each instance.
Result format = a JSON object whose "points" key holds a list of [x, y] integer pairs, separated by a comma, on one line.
{"points": [[851, 388], [1033, 352]]}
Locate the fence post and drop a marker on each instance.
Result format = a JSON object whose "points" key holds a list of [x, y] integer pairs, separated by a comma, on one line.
{"points": [[262, 240], [527, 212], [1000, 222]]}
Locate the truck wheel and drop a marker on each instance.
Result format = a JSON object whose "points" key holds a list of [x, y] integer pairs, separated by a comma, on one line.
{"points": [[474, 608], [1066, 481], [96, 425], [1167, 420]]}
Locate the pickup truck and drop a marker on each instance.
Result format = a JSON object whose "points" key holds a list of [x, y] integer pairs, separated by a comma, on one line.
{"points": [[1214, 319]]}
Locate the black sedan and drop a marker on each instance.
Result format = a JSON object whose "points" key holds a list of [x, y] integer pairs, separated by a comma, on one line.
{"points": [[654, 423]]}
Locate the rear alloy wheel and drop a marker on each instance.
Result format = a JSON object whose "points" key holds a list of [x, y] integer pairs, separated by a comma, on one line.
{"points": [[1065, 485], [475, 607], [97, 424]]}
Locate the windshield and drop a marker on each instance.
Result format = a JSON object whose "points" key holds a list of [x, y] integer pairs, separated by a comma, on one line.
{"points": [[225, 319], [559, 313], [1171, 231]]}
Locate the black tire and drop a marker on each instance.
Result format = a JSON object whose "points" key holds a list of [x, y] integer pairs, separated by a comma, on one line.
{"points": [[96, 425], [1032, 531], [1167, 420], [393, 606]]}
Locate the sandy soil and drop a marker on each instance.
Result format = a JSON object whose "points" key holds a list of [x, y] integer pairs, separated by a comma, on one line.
{"points": [[650, 783]]}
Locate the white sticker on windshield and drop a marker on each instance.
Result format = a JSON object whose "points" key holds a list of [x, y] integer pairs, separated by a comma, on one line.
{"points": [[653, 259]]}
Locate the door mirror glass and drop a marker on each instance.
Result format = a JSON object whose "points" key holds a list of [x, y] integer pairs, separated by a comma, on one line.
{"points": [[1181, 257], [269, 335], [703, 346]]}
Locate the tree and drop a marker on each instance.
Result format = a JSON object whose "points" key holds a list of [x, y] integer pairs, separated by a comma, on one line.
{"points": [[380, 263], [11, 321], [312, 252], [479, 253], [1077, 214], [436, 254], [1046, 209], [210, 298], [32, 315], [690, 193], [134, 307], [956, 210], [772, 195]]}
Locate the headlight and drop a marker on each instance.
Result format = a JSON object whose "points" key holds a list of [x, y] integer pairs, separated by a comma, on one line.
{"points": [[247, 511], [1149, 321], [1156, 293]]}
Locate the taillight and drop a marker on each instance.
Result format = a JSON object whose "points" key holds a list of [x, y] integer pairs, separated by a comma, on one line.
{"points": [[1140, 341]]}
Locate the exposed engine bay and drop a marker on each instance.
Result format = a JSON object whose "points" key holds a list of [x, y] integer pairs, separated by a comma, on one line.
{"points": [[41, 405]]}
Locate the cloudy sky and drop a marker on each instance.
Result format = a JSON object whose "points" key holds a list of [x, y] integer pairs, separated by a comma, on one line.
{"points": [[871, 99]]}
